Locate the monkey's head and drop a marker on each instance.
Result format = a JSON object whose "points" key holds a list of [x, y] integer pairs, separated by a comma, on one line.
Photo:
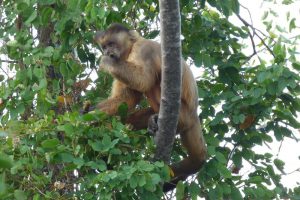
{"points": [[116, 41]]}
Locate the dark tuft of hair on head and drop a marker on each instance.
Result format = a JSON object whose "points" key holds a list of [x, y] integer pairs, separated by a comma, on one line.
{"points": [[116, 28]]}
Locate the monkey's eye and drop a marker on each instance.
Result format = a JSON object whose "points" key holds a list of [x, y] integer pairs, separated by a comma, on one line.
{"points": [[110, 44]]}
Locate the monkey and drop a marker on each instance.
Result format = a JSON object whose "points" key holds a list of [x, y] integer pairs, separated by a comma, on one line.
{"points": [[136, 66]]}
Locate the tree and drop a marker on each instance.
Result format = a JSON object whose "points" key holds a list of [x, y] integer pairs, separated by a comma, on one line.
{"points": [[171, 78], [49, 150]]}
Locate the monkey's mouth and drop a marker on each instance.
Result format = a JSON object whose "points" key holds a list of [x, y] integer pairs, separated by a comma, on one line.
{"points": [[112, 56]]}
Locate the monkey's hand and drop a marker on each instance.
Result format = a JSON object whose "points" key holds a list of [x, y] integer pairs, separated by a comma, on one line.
{"points": [[152, 125], [87, 107], [108, 62]]}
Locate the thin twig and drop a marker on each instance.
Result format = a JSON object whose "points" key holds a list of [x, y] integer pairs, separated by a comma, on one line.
{"points": [[9, 61], [4, 71], [279, 149], [249, 13], [268, 48], [296, 170], [261, 39]]}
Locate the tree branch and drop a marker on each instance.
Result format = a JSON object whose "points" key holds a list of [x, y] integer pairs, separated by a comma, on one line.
{"points": [[171, 78], [255, 34]]}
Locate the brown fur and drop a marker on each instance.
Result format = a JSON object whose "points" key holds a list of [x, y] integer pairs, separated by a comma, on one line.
{"points": [[136, 67]]}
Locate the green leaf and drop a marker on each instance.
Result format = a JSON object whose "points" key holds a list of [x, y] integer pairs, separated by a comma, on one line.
{"points": [[64, 70], [133, 182], [46, 15], [194, 190], [66, 157], [155, 178], [97, 146], [296, 65], [46, 2], [42, 84], [20, 195], [265, 15], [145, 166], [180, 190], [1, 77], [211, 150], [279, 164], [123, 110], [38, 72], [237, 159], [292, 24], [20, 109], [221, 158], [48, 51], [31, 18], [287, 2], [5, 162], [100, 165], [224, 171], [236, 194], [142, 181], [225, 188], [235, 6], [68, 129], [202, 4], [50, 143], [101, 13]]}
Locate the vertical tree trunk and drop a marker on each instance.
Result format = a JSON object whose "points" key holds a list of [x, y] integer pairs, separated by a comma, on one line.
{"points": [[171, 78]]}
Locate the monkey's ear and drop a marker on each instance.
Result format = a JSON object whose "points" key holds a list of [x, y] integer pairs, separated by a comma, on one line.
{"points": [[134, 35], [98, 35]]}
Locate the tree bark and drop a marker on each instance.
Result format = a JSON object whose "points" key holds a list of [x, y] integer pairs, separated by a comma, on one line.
{"points": [[171, 78]]}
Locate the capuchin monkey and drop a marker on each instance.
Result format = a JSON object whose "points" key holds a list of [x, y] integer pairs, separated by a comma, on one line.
{"points": [[135, 63]]}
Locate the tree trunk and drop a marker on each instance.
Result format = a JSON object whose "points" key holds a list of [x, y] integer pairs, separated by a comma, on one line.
{"points": [[171, 78]]}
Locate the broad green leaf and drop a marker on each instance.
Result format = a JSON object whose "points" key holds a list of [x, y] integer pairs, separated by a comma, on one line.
{"points": [[194, 190], [292, 24], [46, 15], [279, 164], [5, 162], [141, 181], [235, 193], [45, 2], [180, 190], [20, 195], [31, 18], [287, 2], [221, 158], [50, 143], [145, 166], [224, 171]]}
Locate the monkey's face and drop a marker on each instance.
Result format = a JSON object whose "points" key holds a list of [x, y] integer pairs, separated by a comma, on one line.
{"points": [[116, 42], [111, 49]]}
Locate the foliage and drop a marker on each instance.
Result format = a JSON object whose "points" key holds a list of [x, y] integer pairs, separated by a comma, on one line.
{"points": [[49, 150], [54, 155]]}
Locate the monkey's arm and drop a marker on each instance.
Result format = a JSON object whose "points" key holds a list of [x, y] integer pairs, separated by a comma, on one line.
{"points": [[139, 77], [120, 94]]}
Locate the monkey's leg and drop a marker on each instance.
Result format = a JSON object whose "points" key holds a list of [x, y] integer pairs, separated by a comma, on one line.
{"points": [[192, 139], [139, 119]]}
